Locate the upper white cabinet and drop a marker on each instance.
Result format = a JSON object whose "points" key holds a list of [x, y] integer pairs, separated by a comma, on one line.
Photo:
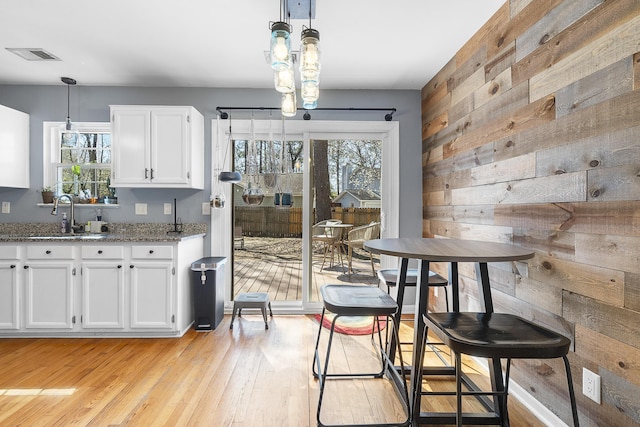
{"points": [[157, 146], [14, 146]]}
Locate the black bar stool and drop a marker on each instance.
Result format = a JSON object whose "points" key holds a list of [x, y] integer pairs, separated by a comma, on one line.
{"points": [[496, 335], [390, 276], [354, 300]]}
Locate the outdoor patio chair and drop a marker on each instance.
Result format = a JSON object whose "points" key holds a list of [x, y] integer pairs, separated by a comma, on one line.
{"points": [[328, 236], [356, 239]]}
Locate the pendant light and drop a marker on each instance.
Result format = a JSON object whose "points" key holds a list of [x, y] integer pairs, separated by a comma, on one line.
{"points": [[280, 46], [310, 66], [233, 177], [68, 127]]}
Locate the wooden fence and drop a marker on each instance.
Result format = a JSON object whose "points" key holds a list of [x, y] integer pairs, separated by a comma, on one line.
{"points": [[269, 221]]}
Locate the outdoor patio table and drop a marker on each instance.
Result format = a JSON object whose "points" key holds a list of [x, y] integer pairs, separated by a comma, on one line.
{"points": [[451, 251]]}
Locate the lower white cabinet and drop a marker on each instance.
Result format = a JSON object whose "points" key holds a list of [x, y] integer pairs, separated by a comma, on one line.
{"points": [[152, 295], [49, 295], [103, 295], [97, 289], [103, 286], [49, 287], [9, 288]]}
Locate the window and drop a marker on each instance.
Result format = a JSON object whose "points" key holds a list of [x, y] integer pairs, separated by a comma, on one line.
{"points": [[78, 163]]}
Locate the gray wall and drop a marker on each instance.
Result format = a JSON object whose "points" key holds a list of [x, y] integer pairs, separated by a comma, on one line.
{"points": [[89, 104]]}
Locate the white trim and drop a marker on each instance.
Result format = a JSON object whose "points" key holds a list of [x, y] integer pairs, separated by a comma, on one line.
{"points": [[388, 132]]}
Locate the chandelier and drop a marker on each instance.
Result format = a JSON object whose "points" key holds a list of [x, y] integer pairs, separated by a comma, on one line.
{"points": [[282, 62]]}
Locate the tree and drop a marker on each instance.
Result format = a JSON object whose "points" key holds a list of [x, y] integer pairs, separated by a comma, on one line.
{"points": [[321, 180]]}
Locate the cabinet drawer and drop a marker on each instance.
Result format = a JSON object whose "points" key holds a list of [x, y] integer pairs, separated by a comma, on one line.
{"points": [[49, 252], [102, 252], [8, 252], [152, 252]]}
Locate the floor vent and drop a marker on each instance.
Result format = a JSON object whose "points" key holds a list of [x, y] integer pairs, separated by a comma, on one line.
{"points": [[33, 54]]}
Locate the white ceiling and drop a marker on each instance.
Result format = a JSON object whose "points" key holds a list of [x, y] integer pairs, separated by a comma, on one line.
{"points": [[366, 44]]}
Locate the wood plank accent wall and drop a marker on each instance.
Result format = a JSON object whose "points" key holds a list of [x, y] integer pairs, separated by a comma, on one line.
{"points": [[531, 136]]}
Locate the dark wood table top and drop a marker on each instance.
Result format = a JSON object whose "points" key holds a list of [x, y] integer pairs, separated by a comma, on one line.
{"points": [[449, 250]]}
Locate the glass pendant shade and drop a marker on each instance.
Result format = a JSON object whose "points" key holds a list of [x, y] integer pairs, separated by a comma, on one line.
{"points": [[285, 80], [289, 108], [310, 54], [280, 46], [310, 92]]}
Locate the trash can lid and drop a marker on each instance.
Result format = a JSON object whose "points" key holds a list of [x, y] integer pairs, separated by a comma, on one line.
{"points": [[208, 263]]}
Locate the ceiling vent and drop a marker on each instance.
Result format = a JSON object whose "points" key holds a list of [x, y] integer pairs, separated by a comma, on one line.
{"points": [[33, 54]]}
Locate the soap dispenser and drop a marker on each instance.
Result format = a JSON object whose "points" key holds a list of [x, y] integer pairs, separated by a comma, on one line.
{"points": [[66, 227]]}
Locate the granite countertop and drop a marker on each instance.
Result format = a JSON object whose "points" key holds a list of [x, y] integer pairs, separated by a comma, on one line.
{"points": [[147, 232]]}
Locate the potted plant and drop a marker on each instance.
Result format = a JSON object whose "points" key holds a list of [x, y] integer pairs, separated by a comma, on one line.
{"points": [[47, 194]]}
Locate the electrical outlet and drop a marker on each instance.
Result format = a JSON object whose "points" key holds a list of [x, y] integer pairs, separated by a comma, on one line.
{"points": [[206, 208], [6, 207], [591, 385], [167, 208], [141, 208]]}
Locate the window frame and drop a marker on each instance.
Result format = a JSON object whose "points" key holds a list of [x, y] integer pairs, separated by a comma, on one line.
{"points": [[52, 137]]}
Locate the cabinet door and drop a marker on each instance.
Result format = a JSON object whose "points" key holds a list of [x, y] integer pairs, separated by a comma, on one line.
{"points": [[14, 146], [170, 148], [103, 295], [49, 295], [152, 296], [9, 313], [131, 139]]}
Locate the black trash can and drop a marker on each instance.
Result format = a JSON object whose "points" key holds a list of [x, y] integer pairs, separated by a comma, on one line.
{"points": [[207, 280]]}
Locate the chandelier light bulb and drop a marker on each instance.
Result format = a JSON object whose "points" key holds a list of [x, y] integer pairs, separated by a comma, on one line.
{"points": [[280, 51]]}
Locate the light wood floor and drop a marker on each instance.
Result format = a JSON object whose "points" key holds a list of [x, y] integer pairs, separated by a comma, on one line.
{"points": [[245, 377]]}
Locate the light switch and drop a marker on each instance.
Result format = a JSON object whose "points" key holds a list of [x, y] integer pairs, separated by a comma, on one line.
{"points": [[6, 207], [167, 208], [206, 208], [141, 208]]}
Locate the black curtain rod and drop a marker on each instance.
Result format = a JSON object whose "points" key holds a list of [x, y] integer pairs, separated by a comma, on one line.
{"points": [[307, 115]]}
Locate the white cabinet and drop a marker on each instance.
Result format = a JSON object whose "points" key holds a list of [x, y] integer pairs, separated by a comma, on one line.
{"points": [[97, 288], [157, 146], [103, 295], [14, 146], [9, 296], [49, 287], [152, 294]]}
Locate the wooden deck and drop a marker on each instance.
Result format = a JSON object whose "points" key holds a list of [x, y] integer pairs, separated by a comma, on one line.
{"points": [[274, 266]]}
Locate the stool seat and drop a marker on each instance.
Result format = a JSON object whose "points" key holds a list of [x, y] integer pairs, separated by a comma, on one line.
{"points": [[354, 300], [252, 300], [390, 275], [497, 335]]}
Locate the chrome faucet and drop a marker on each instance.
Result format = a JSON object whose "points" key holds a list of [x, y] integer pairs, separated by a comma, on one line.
{"points": [[54, 211]]}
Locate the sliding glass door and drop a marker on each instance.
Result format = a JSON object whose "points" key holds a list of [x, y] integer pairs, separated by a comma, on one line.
{"points": [[273, 228]]}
